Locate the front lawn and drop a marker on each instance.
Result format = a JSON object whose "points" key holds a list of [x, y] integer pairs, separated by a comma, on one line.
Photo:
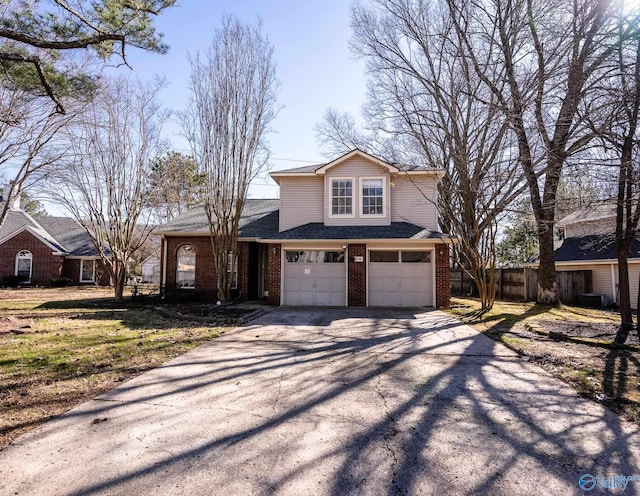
{"points": [[608, 375], [60, 347]]}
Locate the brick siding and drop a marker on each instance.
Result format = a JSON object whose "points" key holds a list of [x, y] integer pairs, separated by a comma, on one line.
{"points": [[357, 276], [443, 284], [274, 274], [206, 279], [44, 265]]}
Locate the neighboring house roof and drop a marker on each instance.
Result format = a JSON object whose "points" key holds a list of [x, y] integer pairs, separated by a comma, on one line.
{"points": [[588, 248], [195, 220], [593, 212], [396, 230], [62, 234], [70, 234]]}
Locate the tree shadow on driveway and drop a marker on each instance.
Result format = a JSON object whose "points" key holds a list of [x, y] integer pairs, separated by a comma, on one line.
{"points": [[337, 402]]}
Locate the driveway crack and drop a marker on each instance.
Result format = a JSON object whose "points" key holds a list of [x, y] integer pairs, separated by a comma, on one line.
{"points": [[389, 433], [275, 403]]}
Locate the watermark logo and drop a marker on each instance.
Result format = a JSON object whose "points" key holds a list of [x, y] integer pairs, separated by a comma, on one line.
{"points": [[588, 482]]}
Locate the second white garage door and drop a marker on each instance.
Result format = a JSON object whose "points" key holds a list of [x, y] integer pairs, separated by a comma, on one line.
{"points": [[314, 278], [400, 278]]}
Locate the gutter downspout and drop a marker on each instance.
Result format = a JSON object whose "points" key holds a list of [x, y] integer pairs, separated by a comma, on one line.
{"points": [[163, 282]]}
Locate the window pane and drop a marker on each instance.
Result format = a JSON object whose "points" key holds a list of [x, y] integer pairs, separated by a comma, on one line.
{"points": [[372, 198], [308, 257], [383, 256], [333, 257], [186, 267], [416, 257], [87, 270], [341, 196]]}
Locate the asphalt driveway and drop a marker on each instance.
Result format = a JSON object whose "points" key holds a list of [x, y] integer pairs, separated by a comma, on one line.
{"points": [[318, 402]]}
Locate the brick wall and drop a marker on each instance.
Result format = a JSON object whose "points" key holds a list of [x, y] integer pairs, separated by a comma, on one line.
{"points": [[443, 285], [243, 269], [205, 266], [357, 276], [274, 275], [44, 265], [71, 269]]}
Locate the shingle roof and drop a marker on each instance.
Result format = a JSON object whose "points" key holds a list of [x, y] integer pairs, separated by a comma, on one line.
{"points": [[396, 230], [593, 248], [70, 234], [62, 233], [195, 220], [313, 168]]}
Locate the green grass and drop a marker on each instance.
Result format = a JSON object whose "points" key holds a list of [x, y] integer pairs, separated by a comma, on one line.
{"points": [[60, 347]]}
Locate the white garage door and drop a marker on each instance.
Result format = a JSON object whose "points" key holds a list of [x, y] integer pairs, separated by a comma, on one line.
{"points": [[314, 278], [400, 278]]}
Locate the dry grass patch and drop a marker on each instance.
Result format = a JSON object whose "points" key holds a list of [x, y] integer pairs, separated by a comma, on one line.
{"points": [[60, 347], [607, 375]]}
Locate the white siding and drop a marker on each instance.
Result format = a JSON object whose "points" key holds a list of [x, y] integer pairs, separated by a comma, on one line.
{"points": [[634, 282], [356, 168], [301, 201], [414, 200], [600, 278]]}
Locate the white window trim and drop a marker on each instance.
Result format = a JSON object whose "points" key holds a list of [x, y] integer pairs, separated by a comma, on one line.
{"points": [[195, 255], [361, 198], [354, 202], [232, 269], [30, 257], [93, 272]]}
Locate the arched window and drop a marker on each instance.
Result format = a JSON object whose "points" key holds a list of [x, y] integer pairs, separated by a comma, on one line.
{"points": [[186, 267], [23, 265]]}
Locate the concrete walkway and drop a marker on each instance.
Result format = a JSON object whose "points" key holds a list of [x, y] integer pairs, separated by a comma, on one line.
{"points": [[332, 402]]}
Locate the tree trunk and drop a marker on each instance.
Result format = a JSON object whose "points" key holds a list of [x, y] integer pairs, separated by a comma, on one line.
{"points": [[626, 316], [547, 289], [119, 275]]}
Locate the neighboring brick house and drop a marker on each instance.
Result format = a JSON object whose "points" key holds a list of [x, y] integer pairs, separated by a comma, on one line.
{"points": [[38, 250], [356, 231]]}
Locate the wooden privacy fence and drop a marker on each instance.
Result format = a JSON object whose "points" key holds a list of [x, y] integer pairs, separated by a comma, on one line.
{"points": [[522, 284]]}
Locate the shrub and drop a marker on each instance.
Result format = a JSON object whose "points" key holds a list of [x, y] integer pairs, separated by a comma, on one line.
{"points": [[58, 282], [11, 281]]}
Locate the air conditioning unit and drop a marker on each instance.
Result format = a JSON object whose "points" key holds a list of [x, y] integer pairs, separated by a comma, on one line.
{"points": [[593, 300]]}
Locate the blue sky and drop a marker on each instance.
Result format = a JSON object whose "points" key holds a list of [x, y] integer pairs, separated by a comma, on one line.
{"points": [[314, 65]]}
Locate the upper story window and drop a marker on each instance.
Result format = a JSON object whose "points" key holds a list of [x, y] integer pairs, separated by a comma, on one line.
{"points": [[186, 267], [24, 261], [372, 195], [342, 197]]}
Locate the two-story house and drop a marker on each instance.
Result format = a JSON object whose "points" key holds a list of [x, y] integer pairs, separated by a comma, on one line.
{"points": [[587, 242], [357, 231]]}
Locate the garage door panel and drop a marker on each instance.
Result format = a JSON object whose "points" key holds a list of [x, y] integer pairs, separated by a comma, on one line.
{"points": [[314, 278], [400, 283]]}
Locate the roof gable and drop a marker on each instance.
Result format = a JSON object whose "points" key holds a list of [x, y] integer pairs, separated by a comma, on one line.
{"points": [[357, 153]]}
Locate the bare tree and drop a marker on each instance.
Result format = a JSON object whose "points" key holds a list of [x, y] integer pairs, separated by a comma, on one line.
{"points": [[29, 139], [619, 134], [552, 53], [103, 182], [233, 93]]}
